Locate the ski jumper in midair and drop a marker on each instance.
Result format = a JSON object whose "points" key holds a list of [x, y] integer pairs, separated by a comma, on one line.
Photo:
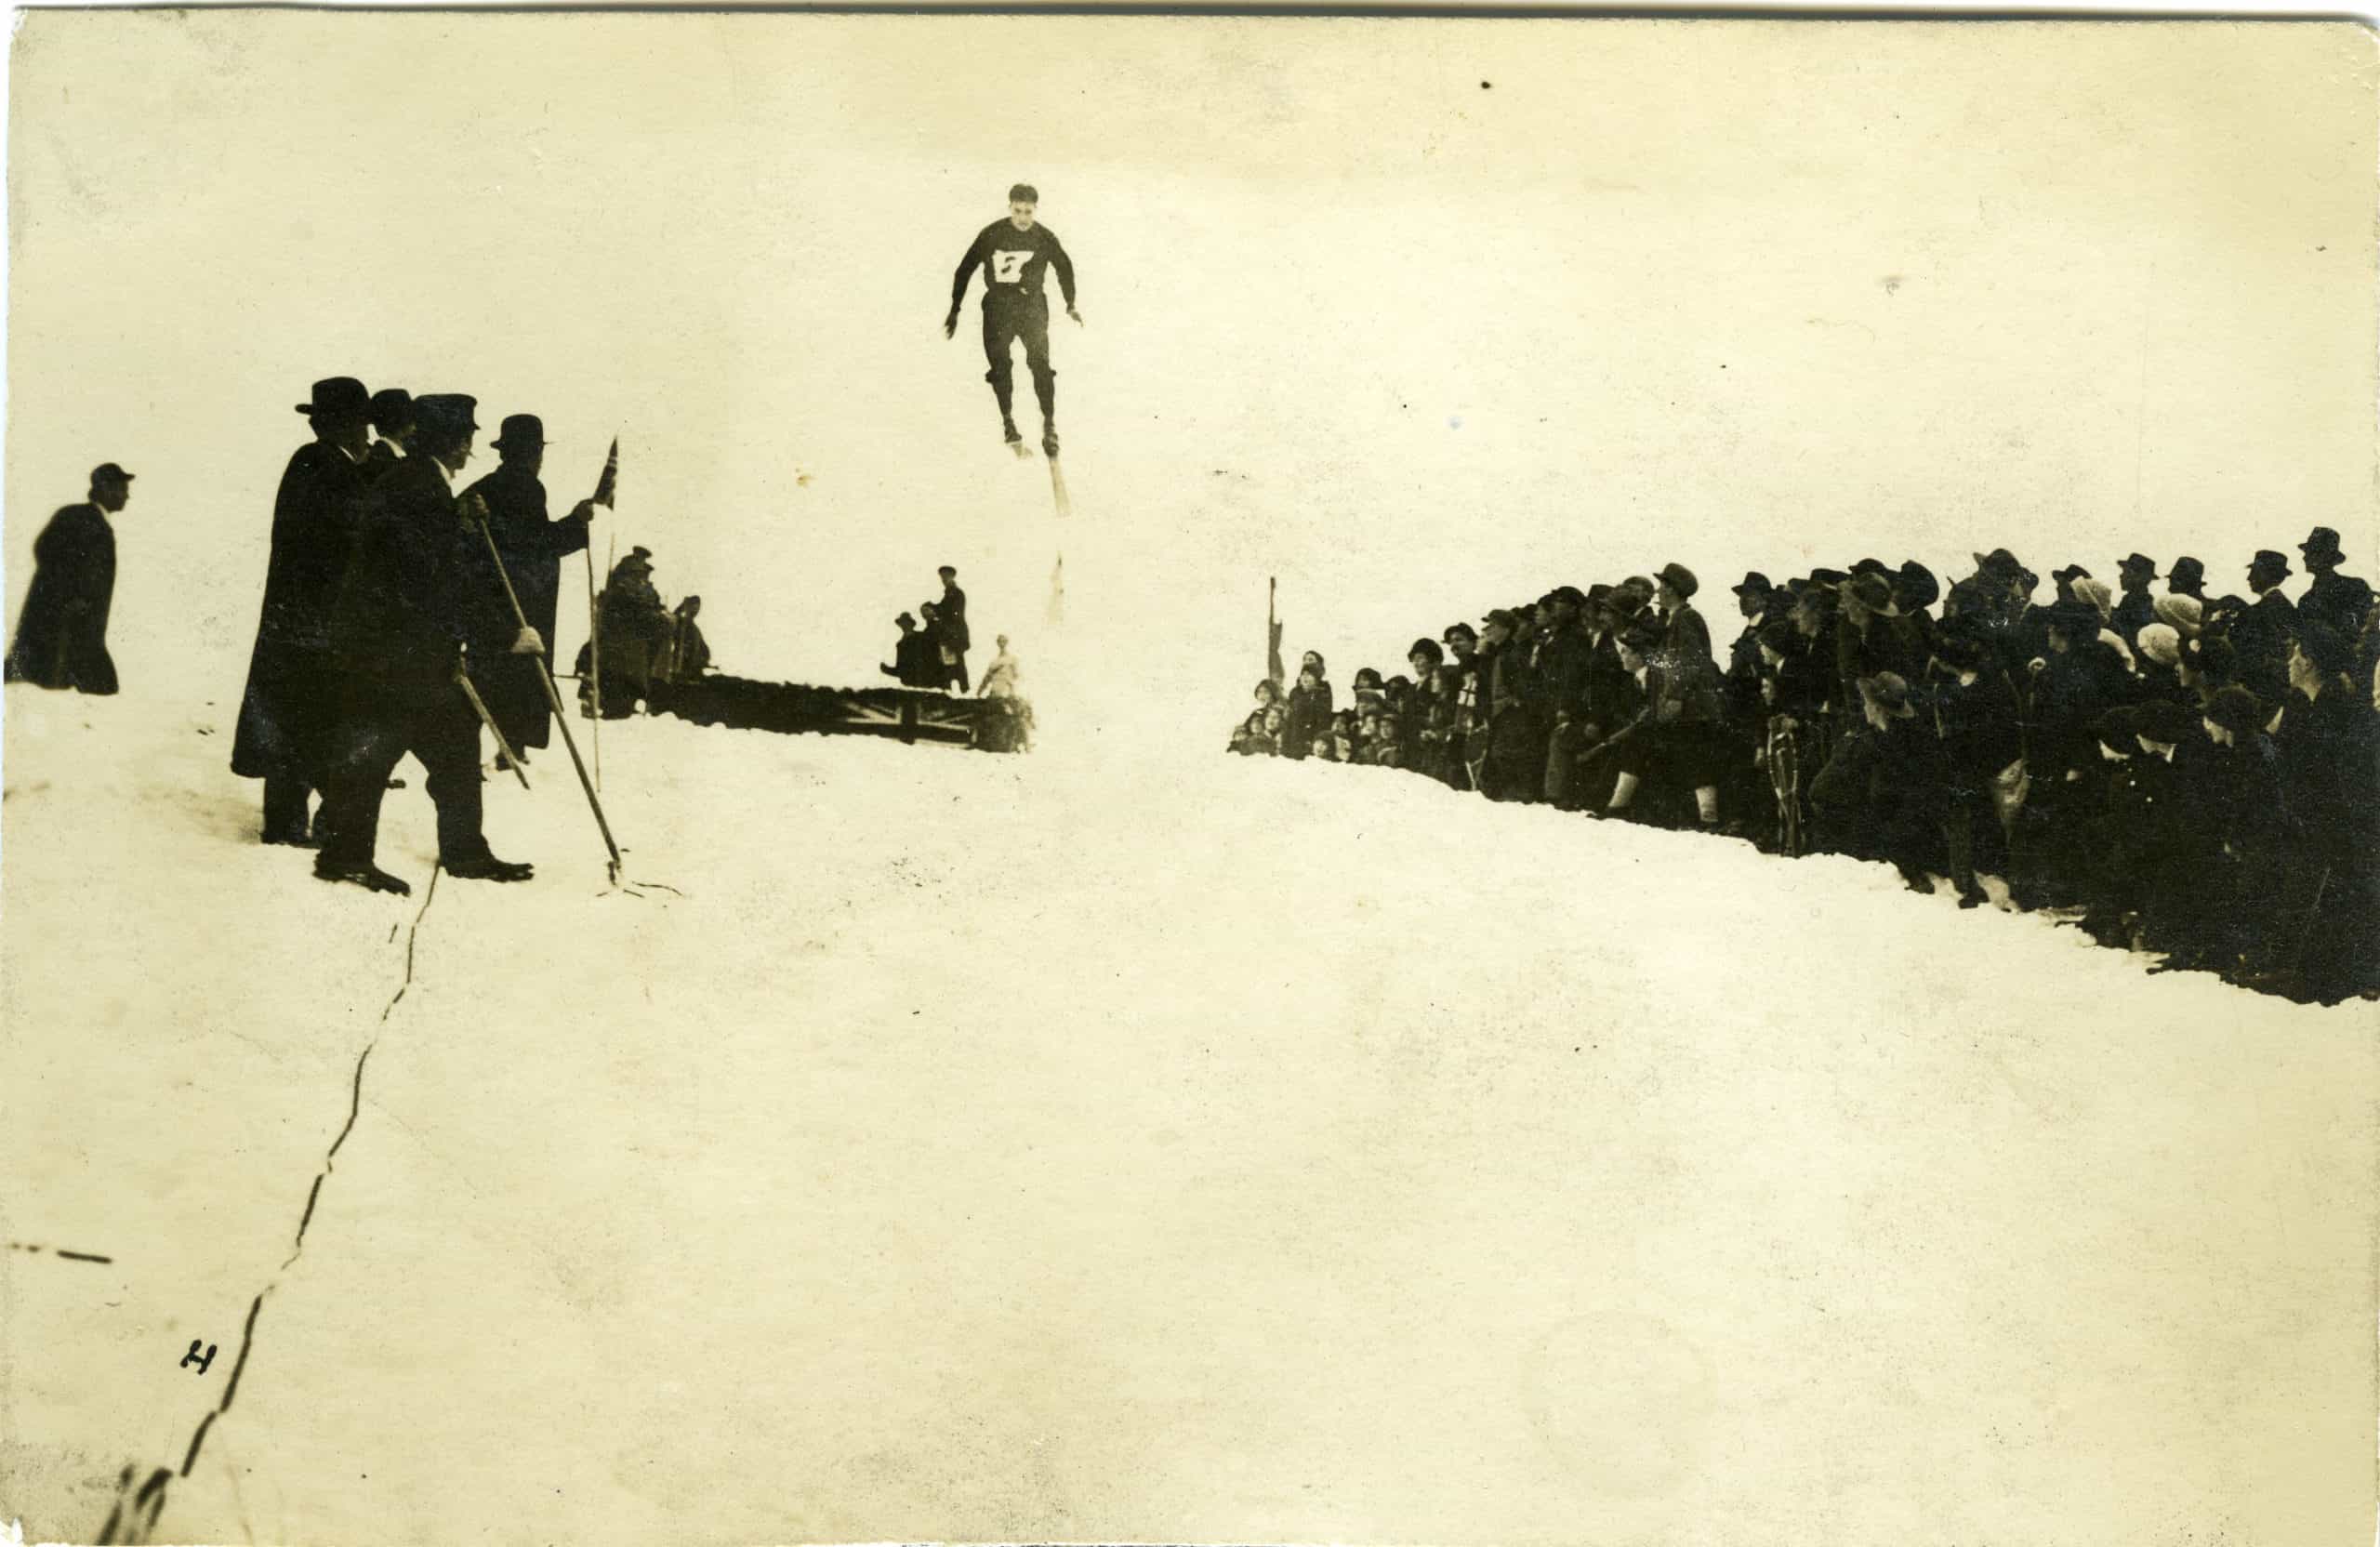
{"points": [[1014, 253]]}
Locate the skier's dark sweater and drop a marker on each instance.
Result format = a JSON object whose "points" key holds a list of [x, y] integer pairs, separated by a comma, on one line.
{"points": [[1012, 261]]}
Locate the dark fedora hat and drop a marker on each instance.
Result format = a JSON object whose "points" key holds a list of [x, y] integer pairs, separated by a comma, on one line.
{"points": [[2238, 710], [2267, 563], [339, 395], [2320, 543], [2187, 571], [1916, 585], [2137, 564], [1753, 584], [1678, 578], [520, 430], [445, 413], [1998, 562], [2070, 574]]}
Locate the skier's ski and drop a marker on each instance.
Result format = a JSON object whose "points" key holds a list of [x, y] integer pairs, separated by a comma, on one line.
{"points": [[1058, 486]]}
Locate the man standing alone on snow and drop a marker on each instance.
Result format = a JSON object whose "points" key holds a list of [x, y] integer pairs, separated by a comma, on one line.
{"points": [[62, 633], [1014, 253]]}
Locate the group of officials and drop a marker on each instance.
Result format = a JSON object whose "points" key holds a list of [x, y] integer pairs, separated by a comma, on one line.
{"points": [[2193, 775], [389, 624]]}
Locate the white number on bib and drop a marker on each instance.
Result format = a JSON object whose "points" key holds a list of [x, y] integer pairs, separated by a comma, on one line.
{"points": [[1007, 265]]}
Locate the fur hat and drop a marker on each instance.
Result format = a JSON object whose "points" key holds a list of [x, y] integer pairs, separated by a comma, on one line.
{"points": [[2183, 614], [2161, 642]]}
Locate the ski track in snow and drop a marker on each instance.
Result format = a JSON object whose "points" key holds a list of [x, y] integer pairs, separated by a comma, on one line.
{"points": [[155, 1490]]}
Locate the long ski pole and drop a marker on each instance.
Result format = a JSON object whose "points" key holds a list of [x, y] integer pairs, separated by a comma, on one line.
{"points": [[606, 492], [553, 694], [595, 667], [479, 705]]}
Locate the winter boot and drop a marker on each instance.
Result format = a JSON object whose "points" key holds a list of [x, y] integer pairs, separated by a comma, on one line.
{"points": [[362, 873], [487, 868]]}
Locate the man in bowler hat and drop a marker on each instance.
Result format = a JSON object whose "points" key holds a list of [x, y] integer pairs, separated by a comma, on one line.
{"points": [[2334, 600], [62, 633], [2262, 634], [532, 548], [2137, 609], [413, 598], [290, 705]]}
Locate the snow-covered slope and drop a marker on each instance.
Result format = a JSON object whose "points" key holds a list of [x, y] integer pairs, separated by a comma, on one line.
{"points": [[1099, 1146]]}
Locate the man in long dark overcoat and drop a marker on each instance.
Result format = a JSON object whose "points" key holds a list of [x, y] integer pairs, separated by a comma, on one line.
{"points": [[62, 633], [532, 548], [419, 588], [291, 700]]}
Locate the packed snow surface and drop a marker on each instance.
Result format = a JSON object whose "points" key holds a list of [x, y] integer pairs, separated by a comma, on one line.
{"points": [[1097, 1146]]}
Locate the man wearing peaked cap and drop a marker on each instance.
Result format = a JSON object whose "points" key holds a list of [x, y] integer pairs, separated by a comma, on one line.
{"points": [[2137, 609], [420, 589], [533, 547], [2335, 600], [62, 631], [289, 706]]}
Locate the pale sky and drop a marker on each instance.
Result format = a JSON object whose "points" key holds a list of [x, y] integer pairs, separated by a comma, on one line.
{"points": [[1421, 316]]}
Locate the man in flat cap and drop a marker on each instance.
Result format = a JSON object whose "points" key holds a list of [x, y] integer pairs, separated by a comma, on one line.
{"points": [[532, 548], [62, 631], [413, 598], [2335, 600], [291, 703]]}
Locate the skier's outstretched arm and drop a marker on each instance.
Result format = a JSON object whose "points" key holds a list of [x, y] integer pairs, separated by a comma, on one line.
{"points": [[1065, 267], [967, 266]]}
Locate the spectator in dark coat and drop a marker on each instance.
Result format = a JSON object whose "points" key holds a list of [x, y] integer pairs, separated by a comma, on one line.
{"points": [[62, 631], [915, 665], [413, 597], [532, 548], [1308, 719], [951, 629], [1978, 718], [1755, 599], [291, 703], [1884, 792], [2261, 634], [2137, 609], [2337, 601]]}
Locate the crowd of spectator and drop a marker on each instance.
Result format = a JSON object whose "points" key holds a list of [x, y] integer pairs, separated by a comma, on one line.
{"points": [[2196, 777]]}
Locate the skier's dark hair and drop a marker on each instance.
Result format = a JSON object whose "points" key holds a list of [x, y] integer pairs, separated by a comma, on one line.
{"points": [[1023, 193]]}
